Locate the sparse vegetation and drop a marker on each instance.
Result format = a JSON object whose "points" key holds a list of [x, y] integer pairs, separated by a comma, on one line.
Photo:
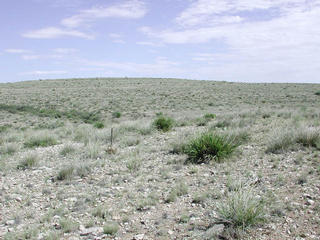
{"points": [[78, 185], [308, 137]]}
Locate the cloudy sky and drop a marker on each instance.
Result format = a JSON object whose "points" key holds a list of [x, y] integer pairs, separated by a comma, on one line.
{"points": [[231, 40]]}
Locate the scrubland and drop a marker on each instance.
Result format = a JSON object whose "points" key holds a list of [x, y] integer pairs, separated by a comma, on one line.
{"points": [[159, 159]]}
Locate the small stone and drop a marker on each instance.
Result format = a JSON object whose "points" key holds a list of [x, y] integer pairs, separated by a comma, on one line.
{"points": [[170, 232], [10, 222], [214, 232], [138, 237], [310, 202]]}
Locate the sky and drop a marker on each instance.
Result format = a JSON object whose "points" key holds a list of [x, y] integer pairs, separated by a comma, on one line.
{"points": [[224, 40]]}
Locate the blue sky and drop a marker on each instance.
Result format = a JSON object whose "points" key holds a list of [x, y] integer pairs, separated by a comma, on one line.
{"points": [[230, 40]]}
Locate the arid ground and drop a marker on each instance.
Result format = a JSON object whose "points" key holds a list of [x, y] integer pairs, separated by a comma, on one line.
{"points": [[63, 175]]}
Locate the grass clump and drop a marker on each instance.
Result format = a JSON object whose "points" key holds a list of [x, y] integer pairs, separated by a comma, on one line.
{"points": [[65, 173], [28, 162], [209, 116], [110, 228], [98, 125], [9, 148], [242, 209], [116, 114], [40, 140], [209, 146], [163, 123], [66, 150], [307, 137], [68, 226]]}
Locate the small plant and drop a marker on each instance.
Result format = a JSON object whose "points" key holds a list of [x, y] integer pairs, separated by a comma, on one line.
{"points": [[93, 150], [116, 114], [9, 148], [241, 209], [317, 93], [209, 116], [83, 170], [279, 143], [110, 228], [66, 150], [65, 173], [100, 212], [98, 125], [209, 146], [28, 162], [163, 123], [179, 189], [223, 124], [68, 226], [40, 140], [134, 165]]}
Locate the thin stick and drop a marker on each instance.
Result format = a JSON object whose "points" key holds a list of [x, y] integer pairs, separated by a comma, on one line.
{"points": [[111, 136]]}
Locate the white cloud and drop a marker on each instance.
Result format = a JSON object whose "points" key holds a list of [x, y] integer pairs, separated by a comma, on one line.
{"points": [[36, 57], [160, 66], [117, 38], [148, 43], [283, 47], [205, 11], [17, 51], [131, 9], [40, 72], [54, 32], [65, 50]]}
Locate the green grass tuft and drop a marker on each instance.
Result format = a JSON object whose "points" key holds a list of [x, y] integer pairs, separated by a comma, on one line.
{"points": [[242, 209], [163, 123], [28, 162], [209, 146], [40, 140]]}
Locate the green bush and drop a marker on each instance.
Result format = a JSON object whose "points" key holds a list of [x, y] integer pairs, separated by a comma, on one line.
{"points": [[116, 114], [40, 140], [242, 209], [317, 93], [163, 123], [98, 125], [209, 116], [209, 146]]}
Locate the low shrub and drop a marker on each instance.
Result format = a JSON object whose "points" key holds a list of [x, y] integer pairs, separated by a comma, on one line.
{"points": [[9, 148], [98, 125], [307, 137], [67, 149], [65, 173], [163, 123], [242, 209], [40, 140], [209, 146], [116, 114], [110, 228], [209, 116], [28, 162]]}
